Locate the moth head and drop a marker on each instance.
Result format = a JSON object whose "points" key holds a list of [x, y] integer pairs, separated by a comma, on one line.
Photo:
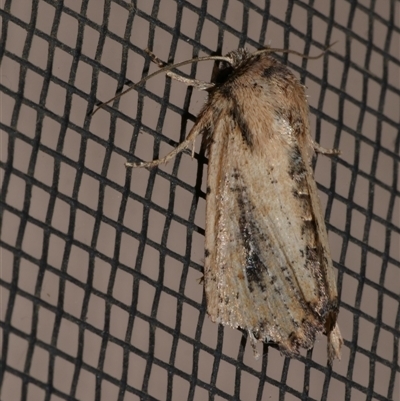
{"points": [[226, 65], [236, 57]]}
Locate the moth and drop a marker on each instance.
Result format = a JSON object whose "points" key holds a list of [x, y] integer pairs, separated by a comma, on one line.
{"points": [[268, 268]]}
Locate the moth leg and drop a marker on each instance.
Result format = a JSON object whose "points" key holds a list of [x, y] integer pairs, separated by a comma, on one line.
{"points": [[182, 146], [328, 152], [155, 59], [196, 130], [200, 85], [253, 343]]}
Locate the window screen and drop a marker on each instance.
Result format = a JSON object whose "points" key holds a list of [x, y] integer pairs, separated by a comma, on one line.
{"points": [[101, 266]]}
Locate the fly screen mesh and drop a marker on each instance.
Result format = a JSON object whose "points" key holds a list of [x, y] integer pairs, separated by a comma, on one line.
{"points": [[101, 266]]}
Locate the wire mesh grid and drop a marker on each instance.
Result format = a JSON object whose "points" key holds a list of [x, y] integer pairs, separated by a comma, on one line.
{"points": [[100, 266]]}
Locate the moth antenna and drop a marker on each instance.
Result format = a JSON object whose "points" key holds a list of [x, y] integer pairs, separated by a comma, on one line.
{"points": [[288, 51], [160, 71], [205, 58]]}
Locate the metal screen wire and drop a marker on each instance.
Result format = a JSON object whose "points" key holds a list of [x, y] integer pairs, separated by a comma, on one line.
{"points": [[101, 266]]}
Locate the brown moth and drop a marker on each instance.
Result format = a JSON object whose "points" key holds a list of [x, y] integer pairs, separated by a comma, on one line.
{"points": [[268, 268]]}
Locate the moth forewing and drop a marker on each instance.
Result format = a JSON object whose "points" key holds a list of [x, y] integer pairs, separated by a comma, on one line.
{"points": [[268, 268]]}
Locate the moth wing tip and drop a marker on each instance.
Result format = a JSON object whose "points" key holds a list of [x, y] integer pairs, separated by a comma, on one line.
{"points": [[335, 342]]}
